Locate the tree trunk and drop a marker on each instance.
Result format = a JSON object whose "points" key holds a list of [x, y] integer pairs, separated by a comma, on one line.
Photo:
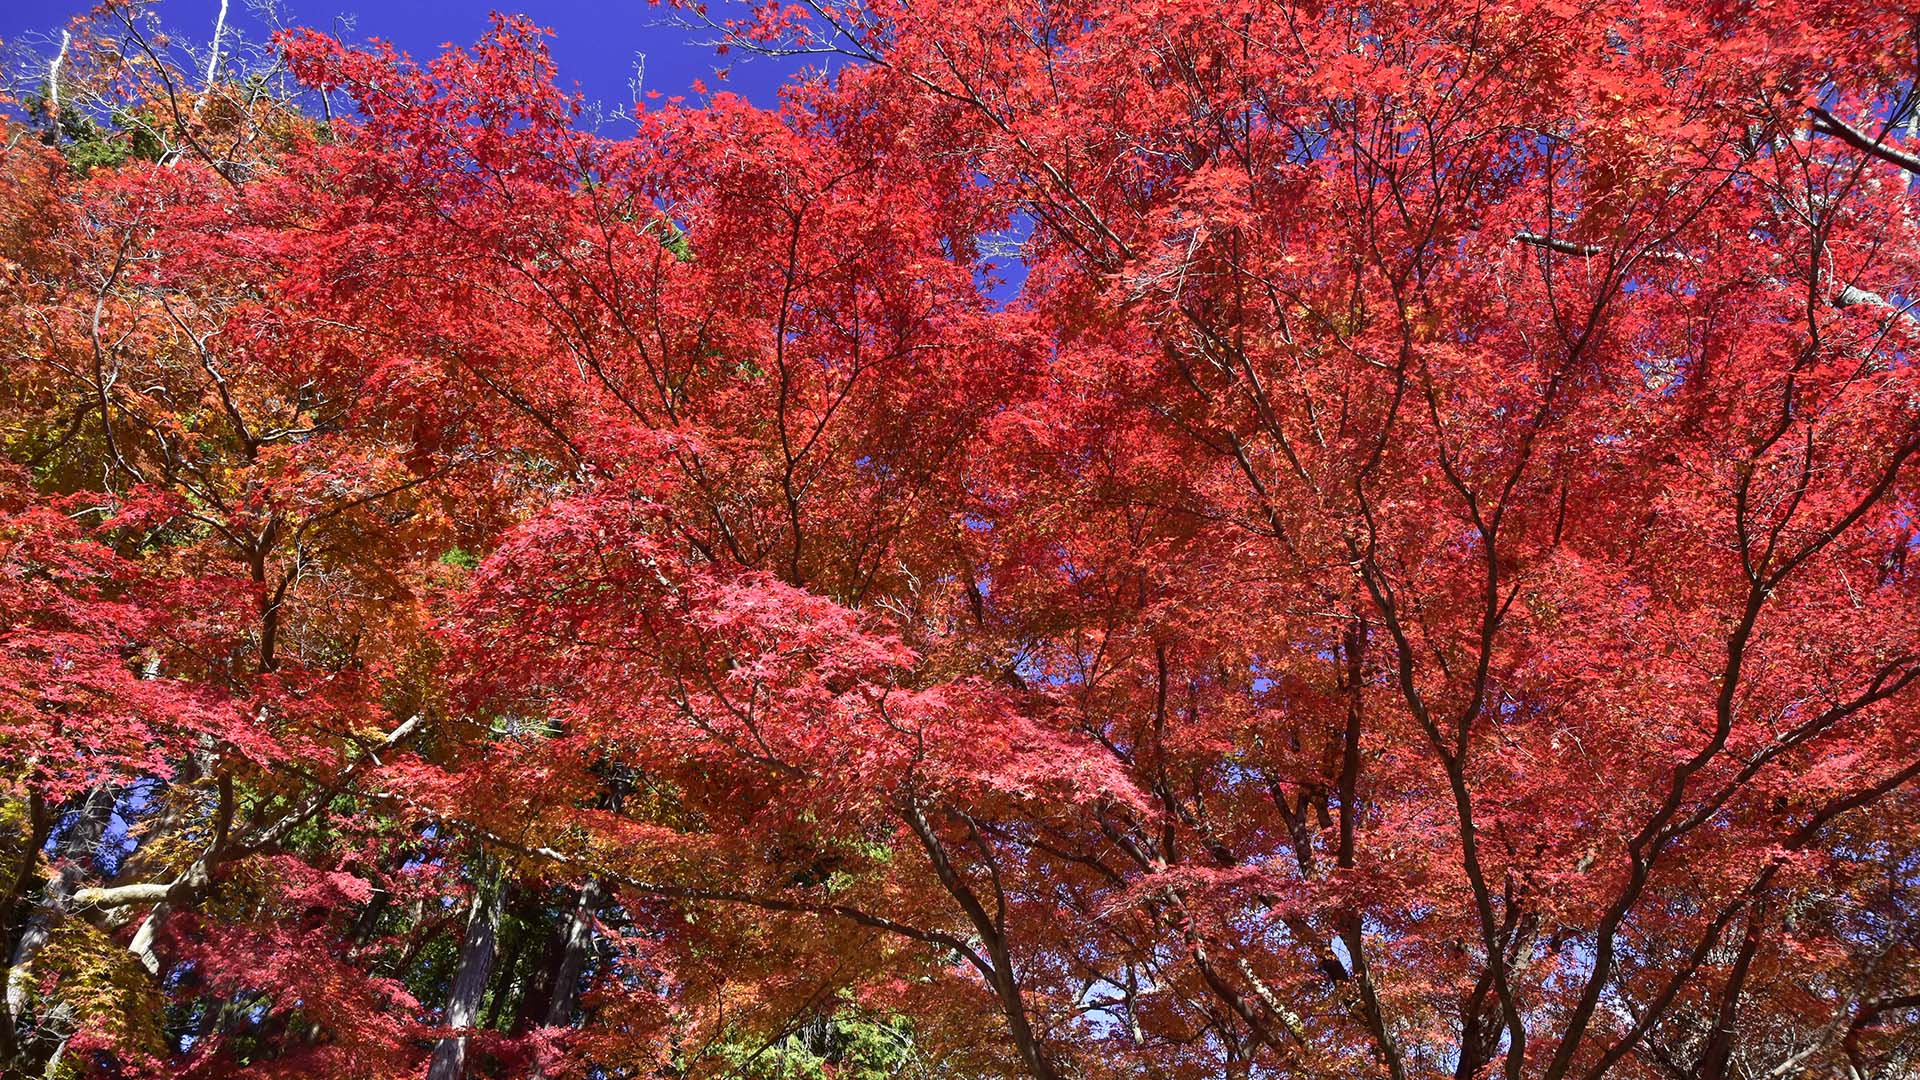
{"points": [[89, 823], [470, 977], [566, 960], [573, 956]]}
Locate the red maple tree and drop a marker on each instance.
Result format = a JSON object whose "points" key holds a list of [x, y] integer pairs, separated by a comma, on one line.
{"points": [[1412, 582]]}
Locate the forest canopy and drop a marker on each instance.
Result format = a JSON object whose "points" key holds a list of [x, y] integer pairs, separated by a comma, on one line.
{"points": [[1166, 539]]}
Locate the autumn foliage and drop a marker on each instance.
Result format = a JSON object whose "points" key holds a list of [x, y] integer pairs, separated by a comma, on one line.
{"points": [[1162, 539]]}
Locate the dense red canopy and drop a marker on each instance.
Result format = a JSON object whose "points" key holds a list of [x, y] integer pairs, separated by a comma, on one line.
{"points": [[1413, 582]]}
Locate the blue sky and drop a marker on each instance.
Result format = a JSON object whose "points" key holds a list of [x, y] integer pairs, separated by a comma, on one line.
{"points": [[595, 41], [595, 45]]}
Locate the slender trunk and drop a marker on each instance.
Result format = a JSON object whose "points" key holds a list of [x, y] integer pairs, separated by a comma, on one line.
{"points": [[213, 55], [999, 963], [53, 81], [75, 845], [553, 985], [470, 977], [40, 825], [369, 919], [575, 943], [532, 1007], [573, 956], [508, 967], [1726, 1029]]}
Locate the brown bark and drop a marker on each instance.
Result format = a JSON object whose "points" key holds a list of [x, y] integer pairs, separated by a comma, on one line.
{"points": [[470, 976]]}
